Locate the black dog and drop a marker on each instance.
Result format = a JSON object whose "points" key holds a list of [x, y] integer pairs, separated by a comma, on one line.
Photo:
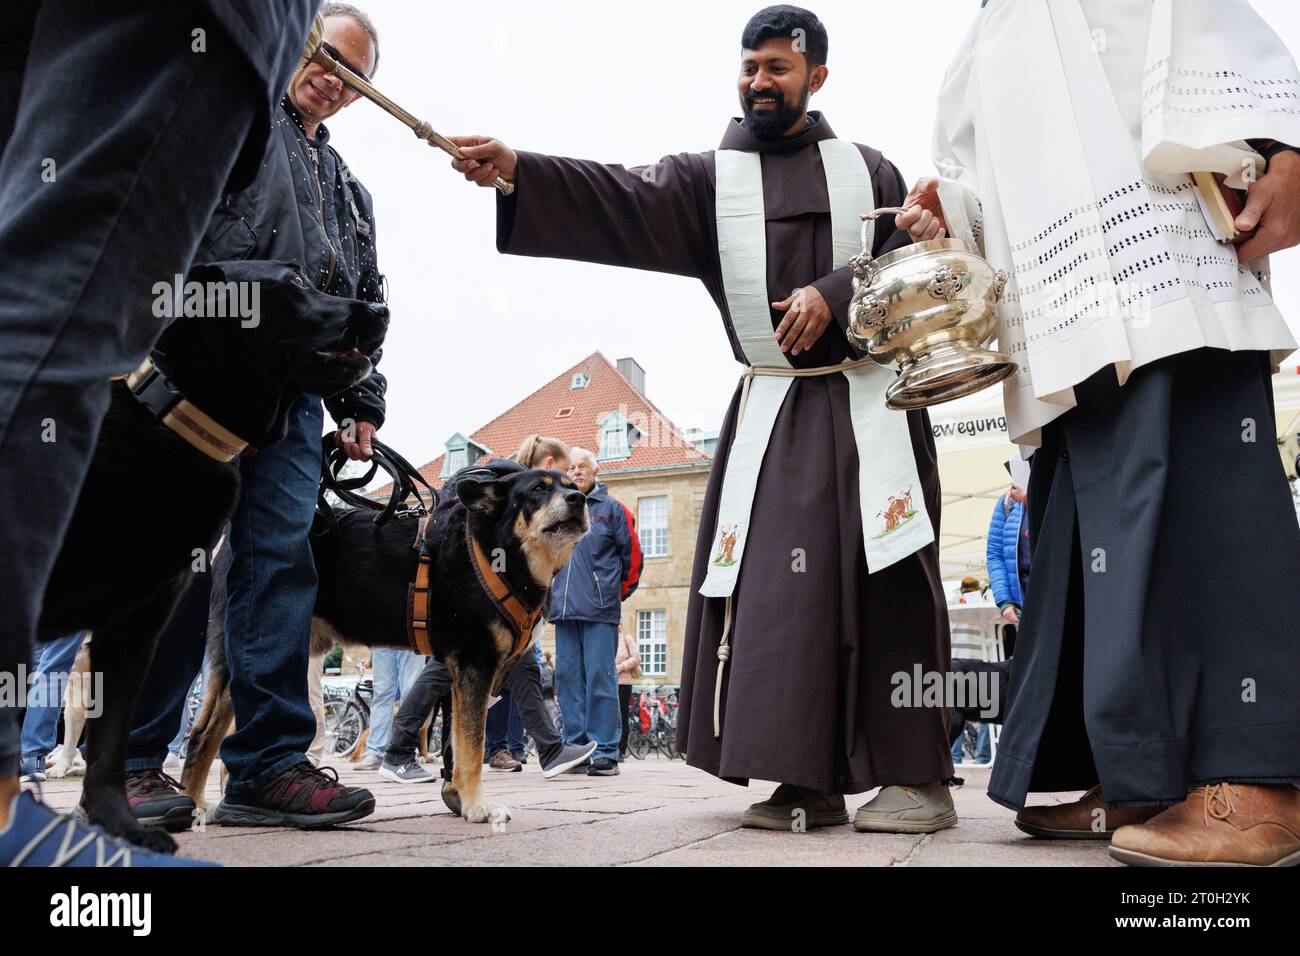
{"points": [[525, 525], [154, 504], [995, 675]]}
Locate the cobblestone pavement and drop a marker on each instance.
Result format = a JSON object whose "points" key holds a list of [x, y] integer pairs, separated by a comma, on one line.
{"points": [[655, 813]]}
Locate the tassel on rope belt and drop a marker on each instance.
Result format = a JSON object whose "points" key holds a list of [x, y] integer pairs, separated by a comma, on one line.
{"points": [[724, 646]]}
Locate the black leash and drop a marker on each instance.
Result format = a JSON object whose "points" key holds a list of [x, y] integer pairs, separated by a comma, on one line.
{"points": [[406, 481]]}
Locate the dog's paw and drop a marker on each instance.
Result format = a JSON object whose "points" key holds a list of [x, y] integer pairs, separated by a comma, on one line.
{"points": [[487, 813], [151, 838], [58, 771]]}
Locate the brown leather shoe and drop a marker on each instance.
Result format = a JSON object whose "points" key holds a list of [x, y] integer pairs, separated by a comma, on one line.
{"points": [[1088, 818], [1227, 824]]}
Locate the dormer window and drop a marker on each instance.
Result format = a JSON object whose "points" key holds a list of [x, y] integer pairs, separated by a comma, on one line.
{"points": [[579, 380], [461, 452], [617, 436]]}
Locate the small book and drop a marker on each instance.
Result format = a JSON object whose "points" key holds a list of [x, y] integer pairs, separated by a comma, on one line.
{"points": [[1219, 204]]}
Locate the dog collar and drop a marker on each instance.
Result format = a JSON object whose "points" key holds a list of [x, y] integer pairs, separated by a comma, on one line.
{"points": [[155, 391]]}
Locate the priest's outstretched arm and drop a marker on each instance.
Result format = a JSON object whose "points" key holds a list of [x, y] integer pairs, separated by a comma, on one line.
{"points": [[658, 218]]}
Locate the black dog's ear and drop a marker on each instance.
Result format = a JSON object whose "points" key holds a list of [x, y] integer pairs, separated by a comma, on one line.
{"points": [[206, 272], [486, 497]]}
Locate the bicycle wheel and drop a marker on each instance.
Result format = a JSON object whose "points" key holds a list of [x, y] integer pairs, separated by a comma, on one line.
{"points": [[638, 744], [344, 723]]}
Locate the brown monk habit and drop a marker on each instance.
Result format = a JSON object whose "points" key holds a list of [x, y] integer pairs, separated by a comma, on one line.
{"points": [[815, 640]]}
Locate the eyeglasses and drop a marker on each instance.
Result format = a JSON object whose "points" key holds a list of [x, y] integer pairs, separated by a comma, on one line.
{"points": [[336, 56]]}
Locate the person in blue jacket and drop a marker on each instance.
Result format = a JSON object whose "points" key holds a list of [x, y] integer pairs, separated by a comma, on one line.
{"points": [[586, 607], [1008, 556], [1008, 563]]}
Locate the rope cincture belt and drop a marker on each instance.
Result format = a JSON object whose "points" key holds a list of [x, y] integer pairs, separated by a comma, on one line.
{"points": [[154, 391], [724, 645]]}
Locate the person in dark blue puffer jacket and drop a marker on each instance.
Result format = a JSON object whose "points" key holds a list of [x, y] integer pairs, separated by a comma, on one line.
{"points": [[1008, 554], [586, 607]]}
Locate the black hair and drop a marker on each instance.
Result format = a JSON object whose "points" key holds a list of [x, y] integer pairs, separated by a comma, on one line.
{"points": [[789, 22]]}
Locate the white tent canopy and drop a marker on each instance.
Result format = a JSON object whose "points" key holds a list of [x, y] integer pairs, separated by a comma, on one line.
{"points": [[973, 445]]}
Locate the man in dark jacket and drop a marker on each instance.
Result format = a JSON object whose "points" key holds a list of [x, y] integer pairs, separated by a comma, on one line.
{"points": [[586, 607], [305, 206], [105, 186]]}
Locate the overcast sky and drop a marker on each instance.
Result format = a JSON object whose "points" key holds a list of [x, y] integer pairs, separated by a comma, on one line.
{"points": [[472, 331]]}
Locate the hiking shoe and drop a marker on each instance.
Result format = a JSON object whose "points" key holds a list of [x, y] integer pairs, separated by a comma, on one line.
{"points": [[1222, 824], [369, 762], [157, 801], [568, 759], [302, 796], [37, 836], [900, 809], [409, 772], [796, 809], [603, 767], [501, 760]]}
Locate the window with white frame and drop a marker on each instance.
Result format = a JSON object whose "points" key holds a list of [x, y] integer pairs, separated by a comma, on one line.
{"points": [[613, 438], [652, 525], [652, 642]]}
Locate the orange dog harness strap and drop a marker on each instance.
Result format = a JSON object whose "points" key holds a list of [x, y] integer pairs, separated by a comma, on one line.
{"points": [[508, 605]]}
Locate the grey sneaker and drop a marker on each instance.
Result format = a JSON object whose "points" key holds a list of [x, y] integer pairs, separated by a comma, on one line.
{"points": [[409, 772], [369, 762], [603, 767], [569, 758], [907, 810], [796, 809]]}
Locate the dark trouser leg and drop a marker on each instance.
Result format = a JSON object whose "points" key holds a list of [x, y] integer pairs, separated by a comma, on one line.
{"points": [[418, 705], [122, 141], [271, 590], [624, 698], [177, 659], [525, 683]]}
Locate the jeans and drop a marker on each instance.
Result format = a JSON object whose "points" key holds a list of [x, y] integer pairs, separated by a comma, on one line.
{"points": [[105, 188], [270, 593], [983, 746], [160, 708], [395, 670], [505, 731], [49, 674], [587, 684]]}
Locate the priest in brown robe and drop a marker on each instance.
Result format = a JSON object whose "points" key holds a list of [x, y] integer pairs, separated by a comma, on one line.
{"points": [[827, 500]]}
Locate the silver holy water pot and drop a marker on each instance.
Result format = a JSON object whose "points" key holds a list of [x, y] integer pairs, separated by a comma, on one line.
{"points": [[927, 310]]}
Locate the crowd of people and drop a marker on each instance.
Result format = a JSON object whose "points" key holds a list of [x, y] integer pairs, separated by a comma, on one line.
{"points": [[1142, 344]]}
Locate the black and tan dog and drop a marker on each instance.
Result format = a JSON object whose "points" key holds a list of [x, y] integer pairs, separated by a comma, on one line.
{"points": [[163, 483], [491, 548]]}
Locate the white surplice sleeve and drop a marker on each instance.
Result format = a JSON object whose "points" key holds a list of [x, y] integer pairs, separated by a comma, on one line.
{"points": [[953, 147]]}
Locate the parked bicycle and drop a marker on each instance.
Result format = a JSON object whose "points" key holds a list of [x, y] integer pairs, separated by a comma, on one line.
{"points": [[347, 715]]}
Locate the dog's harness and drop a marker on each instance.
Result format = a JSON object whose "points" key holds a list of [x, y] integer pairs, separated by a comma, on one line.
{"points": [[155, 391], [507, 603], [405, 481]]}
